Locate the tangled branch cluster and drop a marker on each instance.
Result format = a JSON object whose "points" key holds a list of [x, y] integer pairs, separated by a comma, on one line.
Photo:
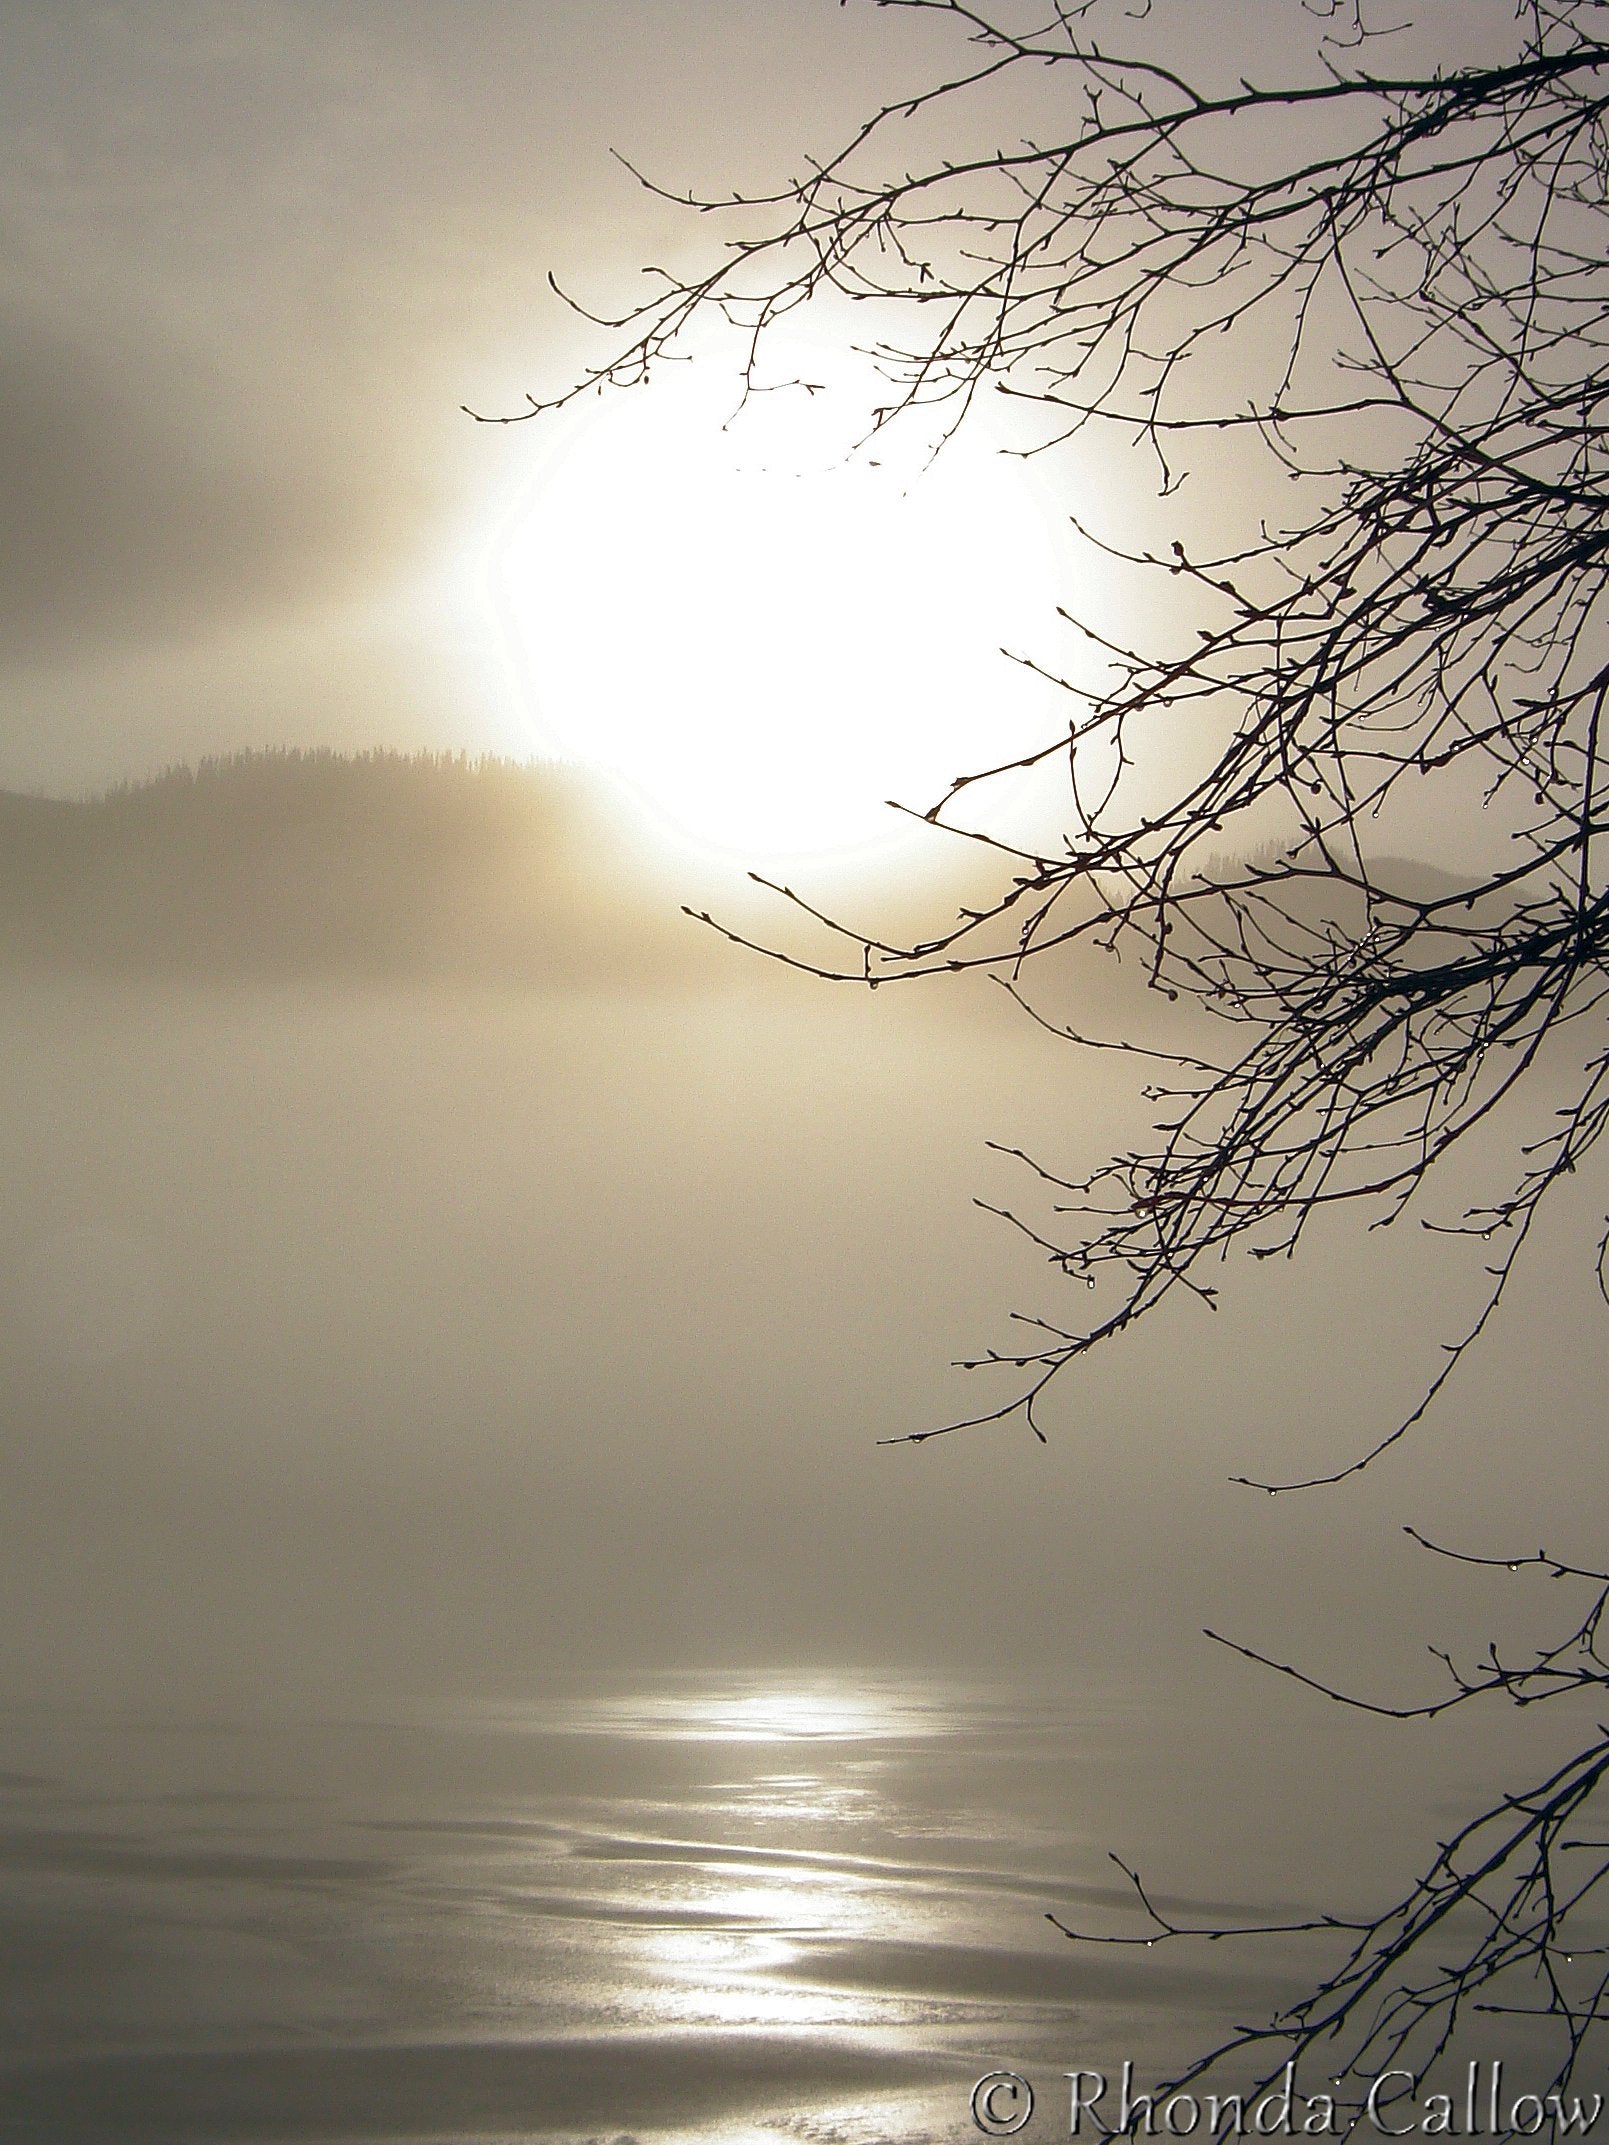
{"points": [[1411, 323], [1493, 1928]]}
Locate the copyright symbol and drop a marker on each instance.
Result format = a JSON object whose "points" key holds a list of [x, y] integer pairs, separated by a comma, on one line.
{"points": [[1002, 2103]]}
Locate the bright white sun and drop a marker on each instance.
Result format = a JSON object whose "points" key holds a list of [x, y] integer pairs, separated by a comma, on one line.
{"points": [[765, 639]]}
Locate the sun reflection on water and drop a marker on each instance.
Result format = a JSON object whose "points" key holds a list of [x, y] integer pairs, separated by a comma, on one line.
{"points": [[762, 1920], [748, 1853], [794, 1798], [759, 1974], [737, 1711], [797, 1716], [738, 1921]]}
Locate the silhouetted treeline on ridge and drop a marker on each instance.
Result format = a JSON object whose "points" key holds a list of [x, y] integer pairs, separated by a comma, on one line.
{"points": [[420, 866], [301, 862]]}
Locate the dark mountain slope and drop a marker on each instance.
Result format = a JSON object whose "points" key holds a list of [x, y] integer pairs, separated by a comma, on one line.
{"points": [[296, 863]]}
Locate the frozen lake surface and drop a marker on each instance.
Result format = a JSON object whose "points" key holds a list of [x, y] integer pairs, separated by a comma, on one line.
{"points": [[726, 1911], [366, 1348]]}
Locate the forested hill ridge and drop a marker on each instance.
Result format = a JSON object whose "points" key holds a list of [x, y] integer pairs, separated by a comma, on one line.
{"points": [[300, 863], [422, 866]]}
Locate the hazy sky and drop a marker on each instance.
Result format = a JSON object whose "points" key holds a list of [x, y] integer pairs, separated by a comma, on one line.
{"points": [[255, 258]]}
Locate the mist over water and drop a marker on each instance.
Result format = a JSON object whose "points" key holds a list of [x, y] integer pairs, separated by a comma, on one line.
{"points": [[469, 1666]]}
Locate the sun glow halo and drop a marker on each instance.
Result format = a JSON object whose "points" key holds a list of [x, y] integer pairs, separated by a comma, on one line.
{"points": [[767, 639]]}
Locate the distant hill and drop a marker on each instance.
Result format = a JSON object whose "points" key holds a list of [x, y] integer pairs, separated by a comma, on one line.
{"points": [[437, 866], [298, 863]]}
